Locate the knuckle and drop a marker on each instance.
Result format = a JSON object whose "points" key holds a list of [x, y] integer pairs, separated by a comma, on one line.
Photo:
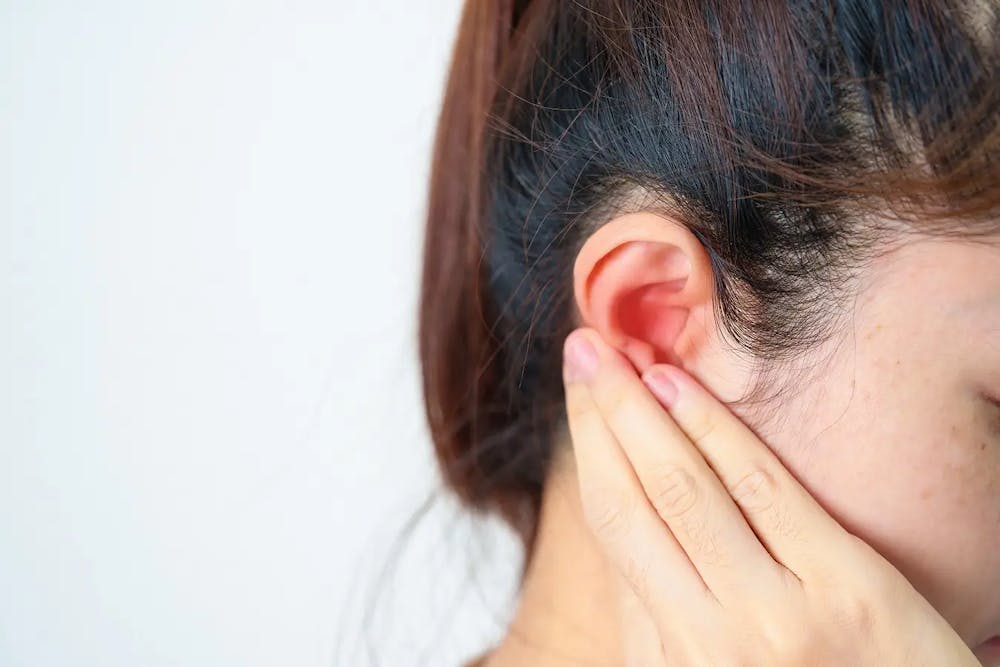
{"points": [[855, 613], [609, 512], [700, 427], [756, 491], [782, 639], [673, 492], [703, 544], [783, 525], [863, 595], [636, 572]]}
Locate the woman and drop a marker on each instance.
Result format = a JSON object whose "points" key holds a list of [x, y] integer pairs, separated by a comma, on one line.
{"points": [[791, 211]]}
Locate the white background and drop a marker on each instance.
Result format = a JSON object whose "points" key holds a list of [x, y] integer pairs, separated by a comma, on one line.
{"points": [[210, 421]]}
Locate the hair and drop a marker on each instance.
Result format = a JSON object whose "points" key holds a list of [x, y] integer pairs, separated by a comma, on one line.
{"points": [[794, 139]]}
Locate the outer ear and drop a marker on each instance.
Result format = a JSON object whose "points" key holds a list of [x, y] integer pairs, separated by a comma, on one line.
{"points": [[645, 283]]}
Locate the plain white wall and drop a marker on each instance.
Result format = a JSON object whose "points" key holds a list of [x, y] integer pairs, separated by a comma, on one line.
{"points": [[210, 419]]}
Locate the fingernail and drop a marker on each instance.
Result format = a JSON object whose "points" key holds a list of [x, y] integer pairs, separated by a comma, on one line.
{"points": [[661, 386], [579, 358]]}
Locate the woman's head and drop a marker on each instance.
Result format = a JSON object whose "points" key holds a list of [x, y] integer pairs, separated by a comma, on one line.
{"points": [[799, 203]]}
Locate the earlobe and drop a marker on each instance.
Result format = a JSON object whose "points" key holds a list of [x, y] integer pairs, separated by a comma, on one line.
{"points": [[642, 280]]}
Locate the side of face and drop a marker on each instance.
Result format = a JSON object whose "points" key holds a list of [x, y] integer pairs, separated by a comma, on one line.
{"points": [[898, 436], [897, 431]]}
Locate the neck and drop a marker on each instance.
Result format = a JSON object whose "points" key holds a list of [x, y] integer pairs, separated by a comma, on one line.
{"points": [[567, 610]]}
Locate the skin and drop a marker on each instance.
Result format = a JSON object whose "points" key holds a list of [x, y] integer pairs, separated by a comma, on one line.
{"points": [[752, 571], [895, 433]]}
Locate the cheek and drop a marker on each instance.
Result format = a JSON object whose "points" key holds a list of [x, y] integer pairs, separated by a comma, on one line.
{"points": [[921, 488], [891, 440]]}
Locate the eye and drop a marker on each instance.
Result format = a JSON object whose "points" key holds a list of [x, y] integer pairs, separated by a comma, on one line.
{"points": [[990, 392], [994, 402], [991, 396]]}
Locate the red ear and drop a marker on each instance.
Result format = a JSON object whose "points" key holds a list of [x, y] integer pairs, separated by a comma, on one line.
{"points": [[636, 282], [632, 299]]}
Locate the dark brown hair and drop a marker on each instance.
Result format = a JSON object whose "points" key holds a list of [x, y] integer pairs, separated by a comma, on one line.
{"points": [[795, 139]]}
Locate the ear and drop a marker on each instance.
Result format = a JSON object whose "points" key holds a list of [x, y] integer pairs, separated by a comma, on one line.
{"points": [[644, 282]]}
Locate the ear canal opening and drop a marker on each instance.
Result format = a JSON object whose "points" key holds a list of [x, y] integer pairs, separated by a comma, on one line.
{"points": [[647, 314]]}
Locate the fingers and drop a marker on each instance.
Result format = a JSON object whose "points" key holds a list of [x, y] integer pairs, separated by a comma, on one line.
{"points": [[794, 527], [685, 492], [680, 639], [641, 643], [617, 510]]}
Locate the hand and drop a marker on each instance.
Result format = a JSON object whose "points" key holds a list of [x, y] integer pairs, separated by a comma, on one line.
{"points": [[728, 559]]}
